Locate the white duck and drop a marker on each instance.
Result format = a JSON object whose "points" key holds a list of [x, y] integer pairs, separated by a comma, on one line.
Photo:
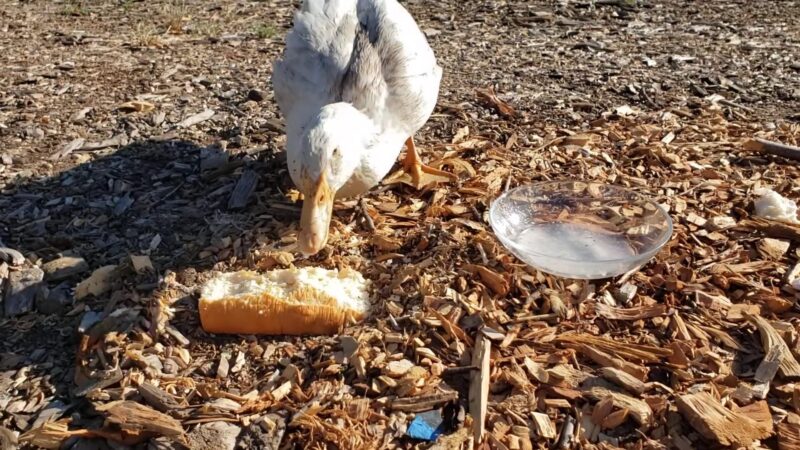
{"points": [[357, 80]]}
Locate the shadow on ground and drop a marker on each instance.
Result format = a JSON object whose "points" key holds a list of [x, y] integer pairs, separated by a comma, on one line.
{"points": [[149, 197], [166, 199]]}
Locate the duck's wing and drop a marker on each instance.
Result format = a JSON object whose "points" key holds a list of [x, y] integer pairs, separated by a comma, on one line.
{"points": [[317, 55], [392, 75]]}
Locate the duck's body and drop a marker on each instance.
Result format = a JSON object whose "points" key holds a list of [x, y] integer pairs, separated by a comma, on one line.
{"points": [[357, 80]]}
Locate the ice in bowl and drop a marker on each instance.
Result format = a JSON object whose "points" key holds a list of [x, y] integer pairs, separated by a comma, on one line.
{"points": [[580, 230]]}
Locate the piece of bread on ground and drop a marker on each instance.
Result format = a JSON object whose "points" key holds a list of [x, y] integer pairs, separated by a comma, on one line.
{"points": [[308, 300]]}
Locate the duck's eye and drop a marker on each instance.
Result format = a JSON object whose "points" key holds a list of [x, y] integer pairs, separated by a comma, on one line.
{"points": [[336, 152]]}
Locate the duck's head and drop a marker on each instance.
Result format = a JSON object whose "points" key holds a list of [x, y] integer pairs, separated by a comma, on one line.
{"points": [[331, 150]]}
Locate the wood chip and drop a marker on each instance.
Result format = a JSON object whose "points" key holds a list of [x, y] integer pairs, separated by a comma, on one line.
{"points": [[758, 411], [423, 402], [715, 422], [634, 352], [496, 282], [67, 150], [624, 380], [52, 435], [773, 249], [99, 282], [196, 119], [640, 411], [454, 441], [142, 264], [788, 436], [637, 313], [535, 370], [65, 267], [719, 223], [157, 398], [280, 392], [771, 341], [615, 419], [490, 97], [397, 369], [774, 229], [135, 419], [23, 288], [11, 256], [769, 366], [606, 360], [243, 190], [739, 311], [544, 426], [136, 106]]}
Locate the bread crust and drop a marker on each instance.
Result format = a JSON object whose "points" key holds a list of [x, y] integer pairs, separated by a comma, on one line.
{"points": [[306, 311]]}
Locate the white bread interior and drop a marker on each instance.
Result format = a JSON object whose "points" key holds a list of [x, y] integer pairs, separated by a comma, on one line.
{"points": [[348, 287], [307, 300]]}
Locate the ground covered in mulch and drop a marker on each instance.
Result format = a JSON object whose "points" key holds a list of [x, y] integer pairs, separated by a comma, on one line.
{"points": [[141, 149]]}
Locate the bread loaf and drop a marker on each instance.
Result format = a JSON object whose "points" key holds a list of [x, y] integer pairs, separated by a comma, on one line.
{"points": [[294, 301]]}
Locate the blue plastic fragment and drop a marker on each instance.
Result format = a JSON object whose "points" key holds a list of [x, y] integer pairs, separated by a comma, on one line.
{"points": [[89, 319], [426, 426]]}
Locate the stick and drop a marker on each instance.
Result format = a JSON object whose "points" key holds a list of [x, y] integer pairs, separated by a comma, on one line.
{"points": [[773, 148], [735, 105], [479, 386], [370, 224]]}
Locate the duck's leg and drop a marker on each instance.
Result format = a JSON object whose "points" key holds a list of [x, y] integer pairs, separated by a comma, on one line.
{"points": [[418, 174]]}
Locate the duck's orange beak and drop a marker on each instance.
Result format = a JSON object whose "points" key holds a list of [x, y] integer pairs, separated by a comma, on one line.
{"points": [[315, 220]]}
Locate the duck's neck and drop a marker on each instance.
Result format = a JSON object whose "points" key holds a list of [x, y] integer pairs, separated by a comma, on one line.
{"points": [[379, 147], [307, 115]]}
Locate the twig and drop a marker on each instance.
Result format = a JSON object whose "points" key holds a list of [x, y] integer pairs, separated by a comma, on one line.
{"points": [[736, 105], [647, 98], [482, 253], [367, 218], [773, 148], [459, 370], [479, 386], [536, 317]]}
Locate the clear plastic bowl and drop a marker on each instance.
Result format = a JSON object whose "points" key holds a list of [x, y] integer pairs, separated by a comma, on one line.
{"points": [[580, 230]]}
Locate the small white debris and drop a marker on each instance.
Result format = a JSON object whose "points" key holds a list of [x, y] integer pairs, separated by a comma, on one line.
{"points": [[397, 369], [431, 32], [625, 111], [681, 58], [626, 293], [239, 364], [197, 118], [793, 277], [771, 205], [719, 223]]}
